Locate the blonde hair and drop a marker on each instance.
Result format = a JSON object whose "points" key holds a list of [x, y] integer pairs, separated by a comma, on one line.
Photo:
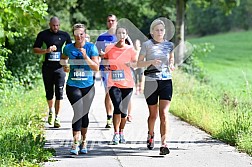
{"points": [[155, 23], [77, 26]]}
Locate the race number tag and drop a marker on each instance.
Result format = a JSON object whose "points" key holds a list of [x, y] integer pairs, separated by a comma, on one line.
{"points": [[79, 74], [118, 75], [166, 73], [54, 56]]}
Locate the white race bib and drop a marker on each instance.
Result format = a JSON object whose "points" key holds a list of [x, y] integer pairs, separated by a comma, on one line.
{"points": [[54, 56], [118, 75], [79, 74]]}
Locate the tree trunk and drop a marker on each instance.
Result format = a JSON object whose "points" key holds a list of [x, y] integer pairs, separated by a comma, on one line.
{"points": [[180, 31]]}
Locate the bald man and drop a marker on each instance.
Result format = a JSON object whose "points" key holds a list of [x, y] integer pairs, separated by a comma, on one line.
{"points": [[52, 71]]}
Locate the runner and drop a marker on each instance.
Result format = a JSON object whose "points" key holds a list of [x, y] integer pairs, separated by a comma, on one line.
{"points": [[80, 90], [52, 71], [157, 55], [120, 57]]}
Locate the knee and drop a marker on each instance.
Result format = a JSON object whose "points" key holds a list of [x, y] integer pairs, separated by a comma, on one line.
{"points": [[59, 93], [163, 117], [153, 116]]}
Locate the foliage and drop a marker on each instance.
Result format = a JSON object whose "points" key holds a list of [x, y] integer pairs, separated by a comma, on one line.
{"points": [[18, 19], [223, 115], [63, 10], [21, 128], [24, 65], [193, 65], [217, 18]]}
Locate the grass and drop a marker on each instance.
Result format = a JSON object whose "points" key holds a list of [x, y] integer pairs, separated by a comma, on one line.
{"points": [[223, 106], [214, 111], [22, 128], [229, 64]]}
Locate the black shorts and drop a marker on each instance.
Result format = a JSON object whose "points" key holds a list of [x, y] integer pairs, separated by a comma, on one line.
{"points": [[120, 98], [157, 90], [54, 80]]}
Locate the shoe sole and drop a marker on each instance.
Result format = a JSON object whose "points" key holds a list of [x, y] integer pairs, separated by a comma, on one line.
{"points": [[83, 152], [164, 151], [56, 126], [72, 153], [108, 126]]}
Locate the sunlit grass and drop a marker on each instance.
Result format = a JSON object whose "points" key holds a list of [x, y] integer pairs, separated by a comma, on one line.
{"points": [[22, 128], [231, 60]]}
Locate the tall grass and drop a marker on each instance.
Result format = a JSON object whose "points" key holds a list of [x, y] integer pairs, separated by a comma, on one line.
{"points": [[216, 111], [223, 106], [22, 128]]}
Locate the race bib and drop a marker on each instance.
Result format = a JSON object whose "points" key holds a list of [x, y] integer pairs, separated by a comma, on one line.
{"points": [[166, 73], [118, 75], [54, 56], [79, 74]]}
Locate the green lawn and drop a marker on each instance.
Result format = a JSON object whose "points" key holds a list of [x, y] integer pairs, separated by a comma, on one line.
{"points": [[221, 107], [230, 63]]}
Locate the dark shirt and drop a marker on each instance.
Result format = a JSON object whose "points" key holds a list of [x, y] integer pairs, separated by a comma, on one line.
{"points": [[50, 38]]}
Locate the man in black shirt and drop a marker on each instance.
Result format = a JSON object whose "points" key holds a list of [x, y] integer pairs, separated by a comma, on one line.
{"points": [[52, 71]]}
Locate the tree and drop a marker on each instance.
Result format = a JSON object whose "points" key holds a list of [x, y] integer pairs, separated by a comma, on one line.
{"points": [[17, 19], [227, 6]]}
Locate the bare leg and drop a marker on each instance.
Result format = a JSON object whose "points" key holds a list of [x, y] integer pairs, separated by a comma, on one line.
{"points": [[122, 124], [163, 113], [129, 118], [116, 122], [76, 136], [50, 103], [108, 104], [57, 107], [153, 113]]}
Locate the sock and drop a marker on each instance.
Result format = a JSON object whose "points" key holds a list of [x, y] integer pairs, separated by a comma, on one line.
{"points": [[51, 110], [121, 133], [109, 117], [117, 133]]}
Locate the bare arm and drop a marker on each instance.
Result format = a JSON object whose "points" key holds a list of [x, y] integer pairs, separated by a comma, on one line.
{"points": [[93, 62], [44, 51], [142, 63], [171, 61], [64, 62]]}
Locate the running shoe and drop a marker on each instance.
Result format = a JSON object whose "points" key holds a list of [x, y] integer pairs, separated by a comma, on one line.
{"points": [[50, 118], [109, 123], [75, 149], [150, 141], [122, 139], [115, 139], [164, 150], [57, 122], [83, 148]]}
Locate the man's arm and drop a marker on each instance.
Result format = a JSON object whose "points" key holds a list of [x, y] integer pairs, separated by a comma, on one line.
{"points": [[44, 51]]}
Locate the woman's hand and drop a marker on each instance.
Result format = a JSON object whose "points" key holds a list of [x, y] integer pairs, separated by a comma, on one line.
{"points": [[83, 51], [155, 62], [171, 66]]}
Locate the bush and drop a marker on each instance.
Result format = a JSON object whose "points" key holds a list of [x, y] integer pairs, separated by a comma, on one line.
{"points": [[193, 64], [23, 63]]}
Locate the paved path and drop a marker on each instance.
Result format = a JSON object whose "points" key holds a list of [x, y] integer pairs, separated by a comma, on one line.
{"points": [[190, 147]]}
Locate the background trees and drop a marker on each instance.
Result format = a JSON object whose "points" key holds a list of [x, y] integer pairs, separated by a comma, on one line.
{"points": [[20, 21]]}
